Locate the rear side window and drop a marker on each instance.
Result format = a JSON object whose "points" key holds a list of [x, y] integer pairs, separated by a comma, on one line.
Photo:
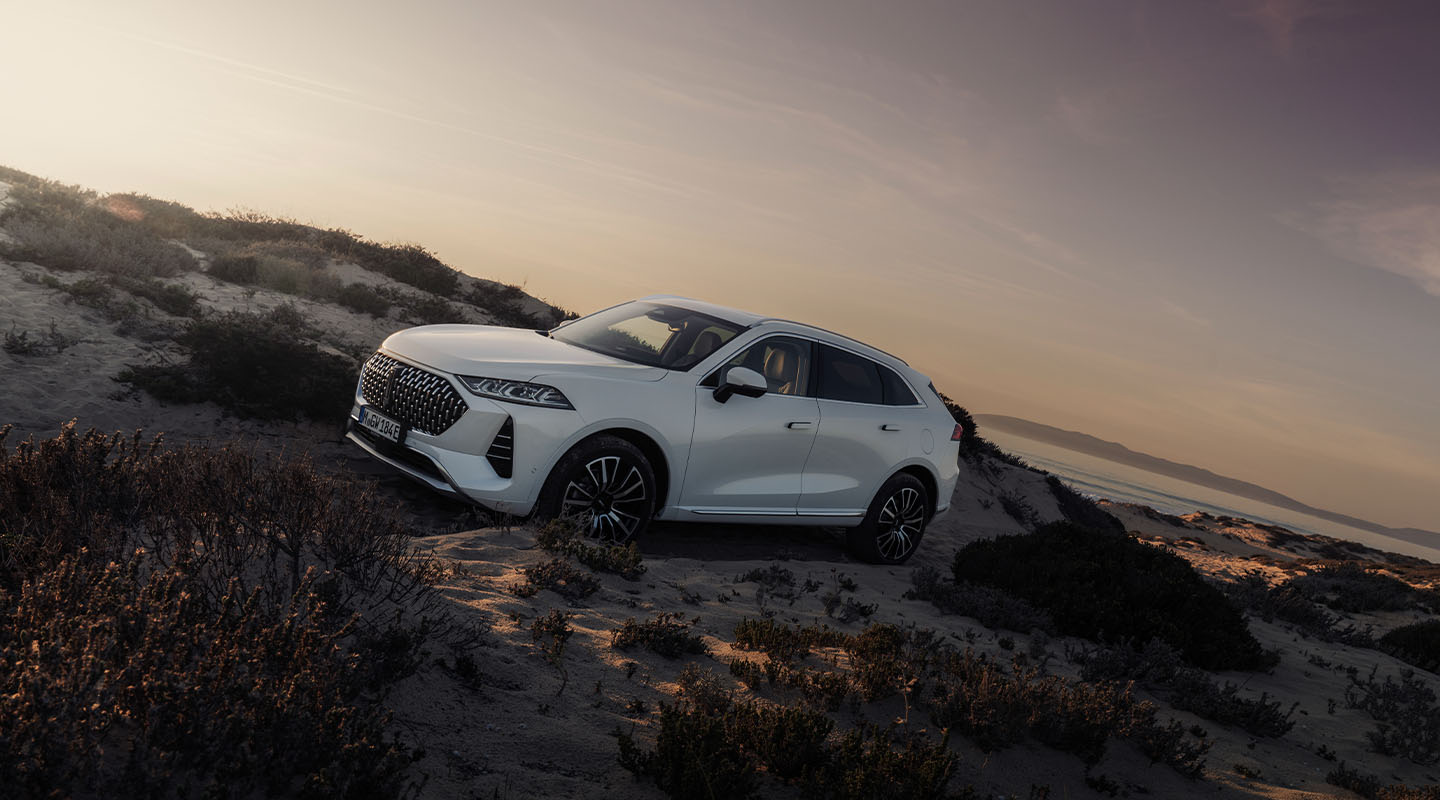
{"points": [[846, 376], [897, 393]]}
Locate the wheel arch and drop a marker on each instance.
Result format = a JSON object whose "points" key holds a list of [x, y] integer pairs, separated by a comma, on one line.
{"points": [[932, 486]]}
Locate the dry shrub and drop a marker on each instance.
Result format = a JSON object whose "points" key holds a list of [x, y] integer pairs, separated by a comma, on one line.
{"points": [[1350, 587], [135, 685], [667, 634], [1407, 719], [65, 227], [992, 607], [702, 753], [994, 704], [181, 620], [560, 577], [565, 539], [1370, 787], [1160, 666]]}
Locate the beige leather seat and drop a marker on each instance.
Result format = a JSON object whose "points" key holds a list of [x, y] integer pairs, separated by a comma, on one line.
{"points": [[782, 370]]}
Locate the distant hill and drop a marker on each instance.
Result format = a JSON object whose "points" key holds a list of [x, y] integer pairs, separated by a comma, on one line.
{"points": [[1119, 453]]}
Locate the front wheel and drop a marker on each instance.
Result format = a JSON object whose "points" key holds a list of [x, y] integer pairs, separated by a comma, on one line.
{"points": [[895, 523], [605, 485]]}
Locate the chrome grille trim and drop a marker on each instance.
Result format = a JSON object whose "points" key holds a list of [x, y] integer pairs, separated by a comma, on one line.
{"points": [[421, 400], [501, 454]]}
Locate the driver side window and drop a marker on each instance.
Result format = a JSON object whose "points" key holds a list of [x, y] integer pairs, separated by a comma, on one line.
{"points": [[784, 361]]}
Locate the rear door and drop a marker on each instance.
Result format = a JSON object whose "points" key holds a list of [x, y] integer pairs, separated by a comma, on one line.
{"points": [[747, 455], [870, 423]]}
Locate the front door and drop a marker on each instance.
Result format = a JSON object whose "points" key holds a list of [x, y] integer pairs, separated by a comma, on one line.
{"points": [[747, 455]]}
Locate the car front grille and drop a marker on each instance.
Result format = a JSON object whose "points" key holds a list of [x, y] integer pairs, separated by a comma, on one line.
{"points": [[501, 454], [421, 400]]}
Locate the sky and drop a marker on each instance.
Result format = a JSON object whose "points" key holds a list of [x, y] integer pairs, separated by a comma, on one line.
{"points": [[1207, 230]]}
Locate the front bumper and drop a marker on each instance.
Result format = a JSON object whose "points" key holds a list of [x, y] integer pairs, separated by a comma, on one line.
{"points": [[454, 462]]}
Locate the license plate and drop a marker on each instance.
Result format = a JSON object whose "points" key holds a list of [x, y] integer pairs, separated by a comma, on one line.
{"points": [[381, 425]]}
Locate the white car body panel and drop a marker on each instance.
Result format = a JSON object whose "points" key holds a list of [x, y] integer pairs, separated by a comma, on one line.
{"points": [[740, 461]]}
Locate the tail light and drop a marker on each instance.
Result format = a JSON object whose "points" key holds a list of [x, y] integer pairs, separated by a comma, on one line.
{"points": [[959, 432]]}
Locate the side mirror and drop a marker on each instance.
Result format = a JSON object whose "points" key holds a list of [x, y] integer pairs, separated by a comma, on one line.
{"points": [[742, 381]]}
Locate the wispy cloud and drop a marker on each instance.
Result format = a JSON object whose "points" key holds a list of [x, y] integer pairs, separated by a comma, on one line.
{"points": [[1389, 222], [1281, 19]]}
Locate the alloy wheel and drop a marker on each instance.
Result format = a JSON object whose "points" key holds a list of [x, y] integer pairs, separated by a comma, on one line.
{"points": [[607, 496], [901, 521]]}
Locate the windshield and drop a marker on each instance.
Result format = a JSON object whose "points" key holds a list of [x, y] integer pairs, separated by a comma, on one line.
{"points": [[653, 334]]}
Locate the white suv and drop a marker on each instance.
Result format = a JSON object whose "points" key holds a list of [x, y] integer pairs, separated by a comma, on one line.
{"points": [[666, 408]]}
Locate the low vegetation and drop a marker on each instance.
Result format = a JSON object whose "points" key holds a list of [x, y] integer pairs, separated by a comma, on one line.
{"points": [[225, 624], [992, 703], [1288, 604], [1351, 588], [1407, 719], [1161, 668], [253, 365], [67, 228], [1371, 788], [1417, 644], [991, 607], [666, 634], [565, 539], [700, 753], [559, 576], [1107, 587]]}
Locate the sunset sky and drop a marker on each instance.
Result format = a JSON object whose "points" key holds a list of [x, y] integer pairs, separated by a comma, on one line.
{"points": [[1207, 230]]}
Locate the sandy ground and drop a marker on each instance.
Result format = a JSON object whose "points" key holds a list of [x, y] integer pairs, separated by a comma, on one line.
{"points": [[522, 735]]}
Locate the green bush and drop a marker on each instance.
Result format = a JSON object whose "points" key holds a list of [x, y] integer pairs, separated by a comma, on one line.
{"points": [[1110, 588], [168, 297], [1079, 509], [1417, 644], [362, 298], [254, 366], [427, 309], [244, 270]]}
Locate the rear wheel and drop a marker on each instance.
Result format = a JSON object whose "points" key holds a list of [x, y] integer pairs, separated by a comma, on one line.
{"points": [[605, 485], [895, 523]]}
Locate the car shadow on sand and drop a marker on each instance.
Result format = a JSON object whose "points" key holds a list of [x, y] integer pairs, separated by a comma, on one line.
{"points": [[721, 542]]}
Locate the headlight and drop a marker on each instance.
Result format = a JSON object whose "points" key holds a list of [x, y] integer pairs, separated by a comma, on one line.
{"points": [[530, 394]]}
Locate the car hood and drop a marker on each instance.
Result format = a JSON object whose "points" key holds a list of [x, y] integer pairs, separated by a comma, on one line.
{"points": [[516, 353]]}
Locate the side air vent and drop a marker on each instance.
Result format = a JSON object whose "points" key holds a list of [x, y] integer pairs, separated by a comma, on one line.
{"points": [[501, 454]]}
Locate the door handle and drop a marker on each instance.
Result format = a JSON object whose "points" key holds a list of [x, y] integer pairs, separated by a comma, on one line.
{"points": [[889, 427], [798, 426]]}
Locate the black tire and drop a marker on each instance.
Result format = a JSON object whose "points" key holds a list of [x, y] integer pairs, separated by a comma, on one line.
{"points": [[606, 485], [895, 523]]}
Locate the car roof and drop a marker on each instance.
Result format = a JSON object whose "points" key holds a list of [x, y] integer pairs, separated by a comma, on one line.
{"points": [[750, 319]]}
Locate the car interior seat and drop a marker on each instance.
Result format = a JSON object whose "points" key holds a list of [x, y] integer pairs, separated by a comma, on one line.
{"points": [[782, 367]]}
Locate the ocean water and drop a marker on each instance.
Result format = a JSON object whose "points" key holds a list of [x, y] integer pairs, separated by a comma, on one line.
{"points": [[1099, 477]]}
